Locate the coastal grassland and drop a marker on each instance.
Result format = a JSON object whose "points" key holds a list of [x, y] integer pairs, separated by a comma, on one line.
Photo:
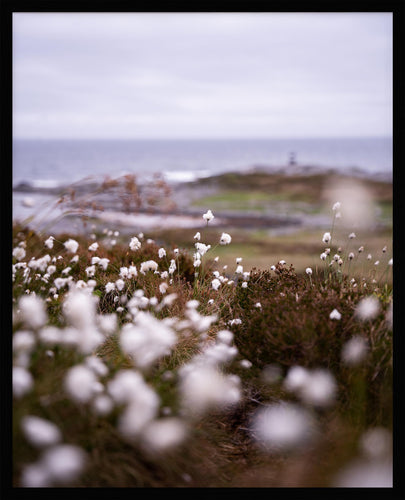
{"points": [[261, 248], [248, 331]]}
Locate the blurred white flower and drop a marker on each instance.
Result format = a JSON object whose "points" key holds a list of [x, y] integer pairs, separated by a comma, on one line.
{"points": [[323, 256], [23, 381], [90, 271], [215, 283], [225, 239], [163, 434], [308, 270], [142, 403], [161, 253], [296, 378], [39, 264], [80, 383], [352, 236], [32, 311], [208, 216], [102, 405], [23, 341], [49, 242], [205, 387], [109, 287], [93, 247], [40, 432], [336, 206], [172, 266], [71, 245], [147, 339], [245, 363], [225, 337], [354, 350], [103, 263], [335, 314], [19, 253], [283, 427], [120, 283], [320, 388], [197, 236], [326, 238], [149, 265], [64, 462], [135, 244], [367, 308], [376, 443], [201, 248]]}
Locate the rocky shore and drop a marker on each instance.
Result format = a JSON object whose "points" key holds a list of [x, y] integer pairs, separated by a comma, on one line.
{"points": [[128, 206]]}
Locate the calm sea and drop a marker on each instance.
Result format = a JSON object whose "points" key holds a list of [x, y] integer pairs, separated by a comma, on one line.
{"points": [[44, 163]]}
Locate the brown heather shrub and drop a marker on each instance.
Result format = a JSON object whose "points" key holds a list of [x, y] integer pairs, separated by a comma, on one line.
{"points": [[293, 328]]}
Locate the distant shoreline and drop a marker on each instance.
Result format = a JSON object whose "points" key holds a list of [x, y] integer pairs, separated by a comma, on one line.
{"points": [[191, 177]]}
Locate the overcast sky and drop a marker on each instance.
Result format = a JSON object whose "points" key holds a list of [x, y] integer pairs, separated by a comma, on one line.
{"points": [[192, 75]]}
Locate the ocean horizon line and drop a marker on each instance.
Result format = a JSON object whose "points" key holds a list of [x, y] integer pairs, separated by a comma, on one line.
{"points": [[231, 138]]}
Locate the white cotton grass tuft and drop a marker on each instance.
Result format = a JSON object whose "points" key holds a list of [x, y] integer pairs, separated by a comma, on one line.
{"points": [[71, 245], [81, 383], [225, 239], [376, 443], [40, 432], [203, 387], [225, 337], [367, 308], [316, 387], [19, 253], [79, 309], [147, 339], [208, 216], [163, 434], [60, 464], [23, 381], [102, 405], [149, 265], [49, 242], [283, 426], [23, 341], [320, 389], [354, 351], [215, 283], [326, 238], [32, 311], [335, 314], [142, 403], [296, 378], [135, 244]]}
